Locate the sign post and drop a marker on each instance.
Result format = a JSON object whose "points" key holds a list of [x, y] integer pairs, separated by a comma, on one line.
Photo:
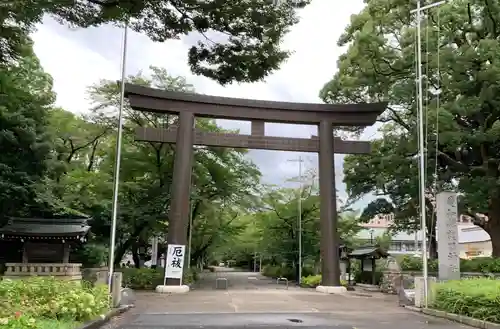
{"points": [[175, 262], [447, 231]]}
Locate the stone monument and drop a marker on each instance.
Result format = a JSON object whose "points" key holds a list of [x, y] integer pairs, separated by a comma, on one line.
{"points": [[447, 231]]}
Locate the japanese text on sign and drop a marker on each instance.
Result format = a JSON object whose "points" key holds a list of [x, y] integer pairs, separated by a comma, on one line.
{"points": [[175, 261], [447, 229]]}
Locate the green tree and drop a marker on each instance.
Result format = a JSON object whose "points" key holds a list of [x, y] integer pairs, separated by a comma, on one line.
{"points": [[219, 175], [25, 98], [380, 65], [240, 40], [277, 228]]}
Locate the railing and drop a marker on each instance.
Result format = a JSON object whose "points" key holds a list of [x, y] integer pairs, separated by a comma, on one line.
{"points": [[70, 271]]}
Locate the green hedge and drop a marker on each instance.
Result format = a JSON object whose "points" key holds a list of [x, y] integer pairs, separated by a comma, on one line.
{"points": [[475, 265], [312, 281], [148, 278], [44, 302], [275, 271], [476, 298]]}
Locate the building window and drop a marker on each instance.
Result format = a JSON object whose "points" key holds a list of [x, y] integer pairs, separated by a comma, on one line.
{"points": [[395, 246]]}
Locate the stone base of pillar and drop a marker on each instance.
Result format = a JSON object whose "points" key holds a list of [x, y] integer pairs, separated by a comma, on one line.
{"points": [[331, 289], [172, 289]]}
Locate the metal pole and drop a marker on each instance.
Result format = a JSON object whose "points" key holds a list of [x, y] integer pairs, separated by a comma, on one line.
{"points": [[418, 11], [299, 206], [422, 153], [190, 234], [116, 179]]}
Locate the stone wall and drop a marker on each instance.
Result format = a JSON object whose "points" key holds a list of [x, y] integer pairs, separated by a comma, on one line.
{"points": [[392, 279]]}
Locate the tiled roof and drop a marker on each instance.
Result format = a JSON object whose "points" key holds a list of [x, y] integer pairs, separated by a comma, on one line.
{"points": [[44, 227]]}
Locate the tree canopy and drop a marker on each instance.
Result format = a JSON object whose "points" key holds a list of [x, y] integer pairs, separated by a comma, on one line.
{"points": [[239, 40], [460, 80], [25, 97]]}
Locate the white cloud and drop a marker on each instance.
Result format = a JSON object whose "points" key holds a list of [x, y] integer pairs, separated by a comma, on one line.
{"points": [[77, 59], [72, 66]]}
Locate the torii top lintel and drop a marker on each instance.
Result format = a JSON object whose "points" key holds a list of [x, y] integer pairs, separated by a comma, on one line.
{"points": [[156, 100]]}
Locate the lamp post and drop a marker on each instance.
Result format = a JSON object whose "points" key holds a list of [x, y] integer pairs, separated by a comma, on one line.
{"points": [[299, 215], [371, 236], [421, 144]]}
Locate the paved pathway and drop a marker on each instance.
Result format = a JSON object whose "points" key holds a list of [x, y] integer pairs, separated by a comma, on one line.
{"points": [[254, 300]]}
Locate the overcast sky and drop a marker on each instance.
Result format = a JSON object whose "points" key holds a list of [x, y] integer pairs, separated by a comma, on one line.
{"points": [[79, 58]]}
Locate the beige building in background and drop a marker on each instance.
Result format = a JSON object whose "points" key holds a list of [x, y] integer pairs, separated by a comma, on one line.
{"points": [[473, 240]]}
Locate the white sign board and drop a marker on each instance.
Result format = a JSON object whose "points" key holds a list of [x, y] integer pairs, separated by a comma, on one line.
{"points": [[175, 261], [447, 230]]}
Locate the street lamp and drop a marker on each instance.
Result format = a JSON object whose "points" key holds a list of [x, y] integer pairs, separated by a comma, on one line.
{"points": [[299, 209], [371, 236]]}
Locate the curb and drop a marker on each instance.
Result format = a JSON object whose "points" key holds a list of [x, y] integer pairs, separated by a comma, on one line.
{"points": [[94, 324], [456, 317]]}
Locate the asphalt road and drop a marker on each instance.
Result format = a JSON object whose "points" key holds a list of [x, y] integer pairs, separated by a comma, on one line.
{"points": [[254, 302]]}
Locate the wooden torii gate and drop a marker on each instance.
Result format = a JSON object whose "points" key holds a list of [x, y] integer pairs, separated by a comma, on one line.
{"points": [[190, 105]]}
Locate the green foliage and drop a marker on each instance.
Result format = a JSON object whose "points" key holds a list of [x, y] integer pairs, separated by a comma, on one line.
{"points": [[26, 93], [412, 263], [142, 278], [475, 265], [148, 278], [92, 255], [223, 179], [480, 265], [367, 277], [312, 281], [379, 65], [274, 271], [31, 303], [239, 40], [475, 298]]}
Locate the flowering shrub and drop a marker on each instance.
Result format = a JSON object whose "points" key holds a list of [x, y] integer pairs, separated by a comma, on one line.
{"points": [[25, 303]]}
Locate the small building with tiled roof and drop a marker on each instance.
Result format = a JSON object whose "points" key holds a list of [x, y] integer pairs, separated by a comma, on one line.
{"points": [[41, 246]]}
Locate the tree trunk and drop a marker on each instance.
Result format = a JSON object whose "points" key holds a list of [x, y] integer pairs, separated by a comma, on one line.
{"points": [[297, 272], [495, 242], [135, 256], [433, 254], [121, 250], [492, 226]]}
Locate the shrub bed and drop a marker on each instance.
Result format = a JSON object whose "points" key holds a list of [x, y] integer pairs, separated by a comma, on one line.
{"points": [[275, 271], [312, 281], [148, 278], [475, 298], [475, 265], [49, 303]]}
